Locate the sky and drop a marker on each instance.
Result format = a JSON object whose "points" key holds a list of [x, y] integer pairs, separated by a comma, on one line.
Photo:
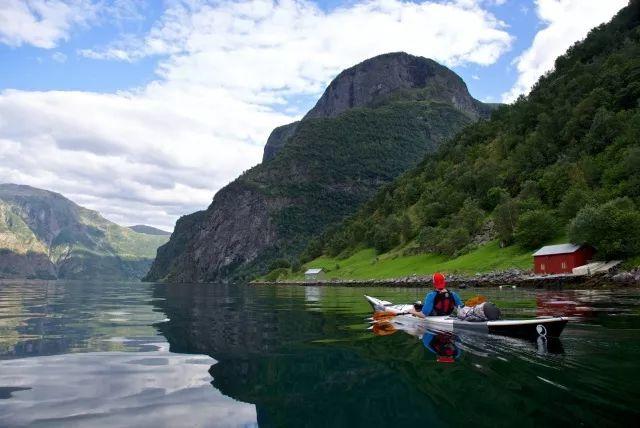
{"points": [[143, 109]]}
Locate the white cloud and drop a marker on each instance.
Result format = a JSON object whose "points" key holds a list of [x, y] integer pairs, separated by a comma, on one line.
{"points": [[566, 22], [42, 23], [59, 57], [227, 70], [159, 152]]}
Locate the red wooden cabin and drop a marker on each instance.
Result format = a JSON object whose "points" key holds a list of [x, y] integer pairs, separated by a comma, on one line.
{"points": [[562, 258]]}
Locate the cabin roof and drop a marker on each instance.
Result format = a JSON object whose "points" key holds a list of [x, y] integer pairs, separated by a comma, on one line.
{"points": [[313, 271], [557, 249]]}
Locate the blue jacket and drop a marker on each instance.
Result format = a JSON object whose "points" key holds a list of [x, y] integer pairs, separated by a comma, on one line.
{"points": [[427, 308]]}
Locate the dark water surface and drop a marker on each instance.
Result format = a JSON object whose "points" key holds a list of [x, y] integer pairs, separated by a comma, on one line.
{"points": [[117, 354]]}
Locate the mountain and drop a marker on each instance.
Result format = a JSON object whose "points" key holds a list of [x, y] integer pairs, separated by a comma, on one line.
{"points": [[149, 230], [562, 163], [373, 122], [45, 235]]}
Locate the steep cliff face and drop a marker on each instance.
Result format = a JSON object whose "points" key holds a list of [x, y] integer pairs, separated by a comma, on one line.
{"points": [[374, 121], [394, 75], [277, 139], [238, 218], [45, 235]]}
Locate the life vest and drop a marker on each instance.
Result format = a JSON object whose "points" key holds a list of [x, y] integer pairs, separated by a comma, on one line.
{"points": [[443, 304]]}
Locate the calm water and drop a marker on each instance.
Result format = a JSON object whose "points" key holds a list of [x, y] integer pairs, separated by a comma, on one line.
{"points": [[116, 354]]}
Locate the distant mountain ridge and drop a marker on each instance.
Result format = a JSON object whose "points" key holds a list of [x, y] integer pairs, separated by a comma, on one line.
{"points": [[374, 121], [149, 230], [45, 235]]}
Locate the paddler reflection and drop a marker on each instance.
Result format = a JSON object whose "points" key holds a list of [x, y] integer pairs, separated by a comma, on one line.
{"points": [[442, 344]]}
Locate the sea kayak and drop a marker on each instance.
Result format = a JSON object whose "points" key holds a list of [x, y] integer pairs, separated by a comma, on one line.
{"points": [[522, 328]]}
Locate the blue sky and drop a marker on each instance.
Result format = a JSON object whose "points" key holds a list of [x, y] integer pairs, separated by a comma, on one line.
{"points": [[143, 109], [31, 68]]}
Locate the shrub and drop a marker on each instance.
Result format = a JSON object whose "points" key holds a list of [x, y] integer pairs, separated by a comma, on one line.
{"points": [[613, 228], [505, 218], [573, 201], [443, 241], [470, 217], [275, 274], [535, 228], [279, 263], [313, 251], [494, 197], [338, 243], [385, 238]]}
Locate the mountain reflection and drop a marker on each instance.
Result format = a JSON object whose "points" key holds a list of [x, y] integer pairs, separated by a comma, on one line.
{"points": [[275, 357]]}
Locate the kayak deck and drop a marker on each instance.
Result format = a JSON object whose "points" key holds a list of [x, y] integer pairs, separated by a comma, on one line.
{"points": [[523, 328]]}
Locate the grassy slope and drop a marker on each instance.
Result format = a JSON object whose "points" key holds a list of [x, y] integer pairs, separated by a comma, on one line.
{"points": [[364, 264]]}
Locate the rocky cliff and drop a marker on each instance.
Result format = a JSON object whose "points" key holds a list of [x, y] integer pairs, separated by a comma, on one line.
{"points": [[397, 76], [374, 121], [277, 139], [44, 235], [382, 79]]}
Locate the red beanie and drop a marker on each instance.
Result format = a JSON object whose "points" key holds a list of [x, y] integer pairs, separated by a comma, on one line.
{"points": [[438, 281]]}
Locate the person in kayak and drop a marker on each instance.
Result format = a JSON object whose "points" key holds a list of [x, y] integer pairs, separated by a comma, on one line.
{"points": [[440, 301]]}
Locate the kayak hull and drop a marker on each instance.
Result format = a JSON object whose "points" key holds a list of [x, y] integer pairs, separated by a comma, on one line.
{"points": [[523, 328]]}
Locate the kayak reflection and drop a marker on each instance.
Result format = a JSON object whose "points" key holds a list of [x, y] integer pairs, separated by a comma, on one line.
{"points": [[442, 344], [449, 346]]}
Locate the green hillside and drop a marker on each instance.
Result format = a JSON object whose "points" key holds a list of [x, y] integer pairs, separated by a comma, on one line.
{"points": [[45, 235], [561, 162], [367, 264]]}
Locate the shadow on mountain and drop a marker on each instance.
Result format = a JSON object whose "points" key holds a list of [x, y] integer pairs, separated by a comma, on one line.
{"points": [[30, 265]]}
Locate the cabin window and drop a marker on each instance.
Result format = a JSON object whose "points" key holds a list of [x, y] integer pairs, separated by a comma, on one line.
{"points": [[542, 267], [564, 265]]}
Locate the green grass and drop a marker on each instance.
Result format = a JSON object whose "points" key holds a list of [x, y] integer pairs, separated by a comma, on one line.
{"points": [[364, 264], [631, 263]]}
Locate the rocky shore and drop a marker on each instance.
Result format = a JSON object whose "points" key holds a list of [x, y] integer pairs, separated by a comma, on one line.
{"points": [[511, 277]]}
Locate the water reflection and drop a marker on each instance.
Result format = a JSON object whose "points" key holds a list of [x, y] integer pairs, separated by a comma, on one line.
{"points": [[448, 346], [305, 358], [117, 389], [204, 355], [88, 354]]}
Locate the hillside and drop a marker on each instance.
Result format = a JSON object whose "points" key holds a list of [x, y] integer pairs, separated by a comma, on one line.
{"points": [[563, 162], [374, 121], [44, 235]]}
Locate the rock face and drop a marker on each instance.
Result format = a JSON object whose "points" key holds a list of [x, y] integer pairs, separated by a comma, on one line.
{"points": [[377, 80], [238, 218], [277, 139], [46, 236], [374, 121]]}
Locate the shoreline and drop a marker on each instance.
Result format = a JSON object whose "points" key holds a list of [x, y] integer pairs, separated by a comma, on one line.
{"points": [[618, 279]]}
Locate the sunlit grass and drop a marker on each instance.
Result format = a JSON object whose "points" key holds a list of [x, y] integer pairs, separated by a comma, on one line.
{"points": [[365, 264]]}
